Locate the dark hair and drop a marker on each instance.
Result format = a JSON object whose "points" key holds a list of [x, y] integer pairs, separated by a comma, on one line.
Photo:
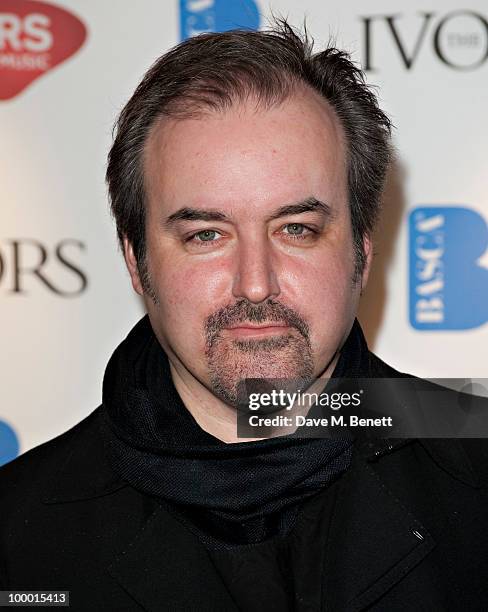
{"points": [[213, 71]]}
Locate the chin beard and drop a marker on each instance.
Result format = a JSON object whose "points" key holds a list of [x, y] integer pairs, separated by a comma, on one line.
{"points": [[230, 361]]}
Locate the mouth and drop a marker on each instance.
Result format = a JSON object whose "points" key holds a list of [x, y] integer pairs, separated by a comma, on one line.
{"points": [[252, 330]]}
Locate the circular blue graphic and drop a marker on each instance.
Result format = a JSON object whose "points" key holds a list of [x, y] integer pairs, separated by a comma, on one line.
{"points": [[217, 16], [9, 443]]}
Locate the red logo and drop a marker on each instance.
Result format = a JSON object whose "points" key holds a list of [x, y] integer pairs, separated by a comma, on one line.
{"points": [[34, 38]]}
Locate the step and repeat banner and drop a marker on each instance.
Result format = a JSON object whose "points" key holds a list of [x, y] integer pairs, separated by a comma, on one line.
{"points": [[67, 68]]}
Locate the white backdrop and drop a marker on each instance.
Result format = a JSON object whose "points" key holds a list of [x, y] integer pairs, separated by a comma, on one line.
{"points": [[60, 324]]}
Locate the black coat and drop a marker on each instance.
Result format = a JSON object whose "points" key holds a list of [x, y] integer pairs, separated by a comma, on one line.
{"points": [[409, 531]]}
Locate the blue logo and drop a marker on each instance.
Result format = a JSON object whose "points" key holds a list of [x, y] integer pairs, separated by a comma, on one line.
{"points": [[197, 16], [9, 444], [448, 284]]}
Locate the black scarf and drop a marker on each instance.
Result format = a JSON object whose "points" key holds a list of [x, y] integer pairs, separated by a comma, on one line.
{"points": [[227, 493]]}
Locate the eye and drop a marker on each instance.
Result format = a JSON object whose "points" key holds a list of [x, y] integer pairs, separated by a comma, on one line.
{"points": [[207, 235], [297, 230]]}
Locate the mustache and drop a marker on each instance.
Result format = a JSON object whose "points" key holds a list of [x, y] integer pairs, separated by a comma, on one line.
{"points": [[243, 311]]}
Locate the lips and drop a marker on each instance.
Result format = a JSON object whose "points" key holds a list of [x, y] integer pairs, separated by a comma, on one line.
{"points": [[249, 329], [253, 326]]}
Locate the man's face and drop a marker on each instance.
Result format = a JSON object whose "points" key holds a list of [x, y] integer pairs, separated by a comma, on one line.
{"points": [[249, 243]]}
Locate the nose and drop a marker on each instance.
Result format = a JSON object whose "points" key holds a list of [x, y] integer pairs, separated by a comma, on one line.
{"points": [[255, 277]]}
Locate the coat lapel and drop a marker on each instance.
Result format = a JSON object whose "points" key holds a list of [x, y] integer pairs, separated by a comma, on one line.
{"points": [[374, 540], [167, 567]]}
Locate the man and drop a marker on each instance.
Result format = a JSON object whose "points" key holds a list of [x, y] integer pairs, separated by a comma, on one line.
{"points": [[245, 181]]}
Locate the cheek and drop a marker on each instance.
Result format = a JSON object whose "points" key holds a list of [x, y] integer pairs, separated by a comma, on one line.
{"points": [[189, 290], [187, 295], [318, 280], [320, 288]]}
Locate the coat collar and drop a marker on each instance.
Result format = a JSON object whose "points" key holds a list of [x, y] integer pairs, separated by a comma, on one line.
{"points": [[447, 453]]}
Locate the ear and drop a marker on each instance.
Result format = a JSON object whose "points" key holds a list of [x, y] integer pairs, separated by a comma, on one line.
{"points": [[368, 251], [131, 263]]}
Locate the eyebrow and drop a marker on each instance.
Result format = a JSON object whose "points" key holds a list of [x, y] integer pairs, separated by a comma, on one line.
{"points": [[310, 204]]}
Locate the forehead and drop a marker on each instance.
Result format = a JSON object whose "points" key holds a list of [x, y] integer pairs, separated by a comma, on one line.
{"points": [[247, 156]]}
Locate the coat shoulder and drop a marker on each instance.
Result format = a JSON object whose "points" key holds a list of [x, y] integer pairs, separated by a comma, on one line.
{"points": [[472, 451], [33, 472], [379, 369]]}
